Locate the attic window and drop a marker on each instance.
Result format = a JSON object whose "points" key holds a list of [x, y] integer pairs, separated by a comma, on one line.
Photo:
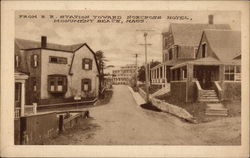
{"points": [[204, 49], [87, 64]]}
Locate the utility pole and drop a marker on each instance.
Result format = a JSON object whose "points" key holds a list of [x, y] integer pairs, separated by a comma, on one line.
{"points": [[146, 63], [136, 69]]}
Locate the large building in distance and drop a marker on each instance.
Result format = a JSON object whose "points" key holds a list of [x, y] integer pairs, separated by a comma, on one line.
{"points": [[124, 74]]}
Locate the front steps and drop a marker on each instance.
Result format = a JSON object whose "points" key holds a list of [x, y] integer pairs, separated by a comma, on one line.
{"points": [[209, 96], [216, 109]]}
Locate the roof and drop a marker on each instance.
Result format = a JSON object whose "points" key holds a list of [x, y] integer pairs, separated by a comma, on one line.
{"points": [[206, 61], [28, 44], [226, 44], [171, 63], [190, 34]]}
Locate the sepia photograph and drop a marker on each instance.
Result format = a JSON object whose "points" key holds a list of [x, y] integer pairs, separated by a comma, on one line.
{"points": [[121, 77]]}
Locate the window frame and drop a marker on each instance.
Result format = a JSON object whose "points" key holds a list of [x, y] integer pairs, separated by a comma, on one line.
{"points": [[55, 79], [89, 82], [59, 60], [232, 71], [87, 61]]}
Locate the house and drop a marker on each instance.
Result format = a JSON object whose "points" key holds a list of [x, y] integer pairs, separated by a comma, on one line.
{"points": [[125, 74], [217, 69], [57, 73], [180, 44]]}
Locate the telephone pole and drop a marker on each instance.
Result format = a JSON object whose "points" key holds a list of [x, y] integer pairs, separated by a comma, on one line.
{"points": [[136, 70], [146, 63]]}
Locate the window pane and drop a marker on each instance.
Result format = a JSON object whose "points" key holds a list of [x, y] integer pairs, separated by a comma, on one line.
{"points": [[86, 66], [237, 77], [231, 69], [86, 87], [226, 69], [231, 77], [238, 69], [53, 60], [227, 77]]}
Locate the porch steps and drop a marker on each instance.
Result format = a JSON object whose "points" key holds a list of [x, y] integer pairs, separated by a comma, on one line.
{"points": [[209, 96], [216, 109]]}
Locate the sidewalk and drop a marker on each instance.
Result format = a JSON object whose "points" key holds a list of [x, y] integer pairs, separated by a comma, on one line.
{"points": [[138, 99]]}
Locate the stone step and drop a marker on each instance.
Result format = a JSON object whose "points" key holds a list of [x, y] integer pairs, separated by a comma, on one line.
{"points": [[209, 100], [208, 96], [216, 114]]}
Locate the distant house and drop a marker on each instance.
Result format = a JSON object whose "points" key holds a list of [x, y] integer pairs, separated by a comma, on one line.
{"points": [[57, 72], [217, 68], [180, 44]]}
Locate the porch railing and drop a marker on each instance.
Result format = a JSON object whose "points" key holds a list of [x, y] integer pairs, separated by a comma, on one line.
{"points": [[218, 90], [17, 112]]}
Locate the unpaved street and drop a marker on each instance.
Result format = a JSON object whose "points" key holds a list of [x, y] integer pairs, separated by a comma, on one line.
{"points": [[123, 122]]}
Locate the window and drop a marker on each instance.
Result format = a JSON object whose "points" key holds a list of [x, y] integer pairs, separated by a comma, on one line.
{"points": [[57, 83], [232, 73], [58, 60], [177, 51], [170, 54], [34, 86], [17, 92], [204, 47], [184, 73], [195, 51], [34, 60], [86, 85], [17, 61], [87, 64]]}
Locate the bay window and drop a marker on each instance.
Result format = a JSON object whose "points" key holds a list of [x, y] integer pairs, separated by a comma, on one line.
{"points": [[57, 83]]}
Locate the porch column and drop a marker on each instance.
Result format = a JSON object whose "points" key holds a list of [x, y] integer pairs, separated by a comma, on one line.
{"points": [[221, 73], [22, 98], [190, 72]]}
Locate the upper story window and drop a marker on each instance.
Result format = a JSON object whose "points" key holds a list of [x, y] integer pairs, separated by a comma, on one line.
{"points": [[17, 61], [170, 54], [58, 60], [203, 50], [232, 73], [57, 83], [34, 60], [34, 84], [87, 64], [86, 85], [195, 51]]}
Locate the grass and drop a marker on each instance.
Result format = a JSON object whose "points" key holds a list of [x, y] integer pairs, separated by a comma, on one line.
{"points": [[107, 95], [198, 109], [152, 88]]}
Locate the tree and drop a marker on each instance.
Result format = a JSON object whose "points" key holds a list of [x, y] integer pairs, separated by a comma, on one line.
{"points": [[101, 60], [141, 71]]}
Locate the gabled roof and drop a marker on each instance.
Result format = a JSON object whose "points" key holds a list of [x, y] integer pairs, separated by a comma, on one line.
{"points": [[190, 34], [226, 44], [28, 44]]}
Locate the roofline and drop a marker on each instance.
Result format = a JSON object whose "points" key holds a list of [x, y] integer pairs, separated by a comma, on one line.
{"points": [[47, 49], [84, 44]]}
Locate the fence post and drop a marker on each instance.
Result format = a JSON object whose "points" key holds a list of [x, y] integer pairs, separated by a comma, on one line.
{"points": [[60, 123]]}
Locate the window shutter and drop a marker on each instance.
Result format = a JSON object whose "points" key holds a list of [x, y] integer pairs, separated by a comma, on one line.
{"points": [[83, 63], [32, 60], [89, 82], [90, 64]]}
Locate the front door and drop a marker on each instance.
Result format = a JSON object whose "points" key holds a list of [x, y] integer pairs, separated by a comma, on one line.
{"points": [[206, 75], [17, 94]]}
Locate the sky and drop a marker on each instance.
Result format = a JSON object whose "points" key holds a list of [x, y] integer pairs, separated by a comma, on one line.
{"points": [[119, 41]]}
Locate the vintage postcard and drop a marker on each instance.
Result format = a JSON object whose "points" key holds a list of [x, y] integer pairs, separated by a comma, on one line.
{"points": [[125, 79]]}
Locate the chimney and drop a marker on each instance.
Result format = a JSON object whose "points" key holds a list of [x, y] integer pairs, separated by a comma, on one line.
{"points": [[43, 42], [210, 19]]}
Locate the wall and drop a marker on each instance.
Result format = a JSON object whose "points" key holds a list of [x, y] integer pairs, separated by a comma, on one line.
{"points": [[231, 90], [178, 89], [79, 73], [53, 68], [38, 128], [17, 132]]}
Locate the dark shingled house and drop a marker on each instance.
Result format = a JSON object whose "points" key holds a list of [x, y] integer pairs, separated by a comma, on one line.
{"points": [[217, 69]]}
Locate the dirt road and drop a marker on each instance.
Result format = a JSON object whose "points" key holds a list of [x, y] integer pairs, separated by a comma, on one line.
{"points": [[123, 122]]}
